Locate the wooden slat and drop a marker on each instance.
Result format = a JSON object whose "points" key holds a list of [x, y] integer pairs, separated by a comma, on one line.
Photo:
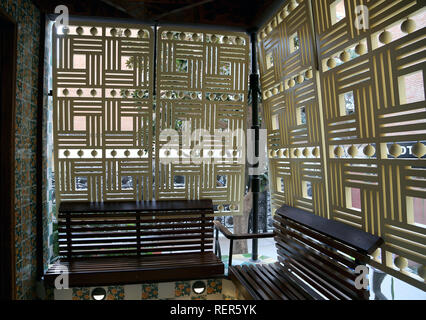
{"points": [[321, 258], [269, 285], [92, 271], [88, 241], [310, 277], [242, 286], [353, 237], [329, 241], [336, 282], [248, 283], [320, 247], [177, 248], [134, 206], [171, 232], [296, 287], [67, 254], [69, 230], [63, 235]]}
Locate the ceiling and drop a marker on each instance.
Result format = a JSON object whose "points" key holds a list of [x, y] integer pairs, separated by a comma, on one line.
{"points": [[234, 14]]}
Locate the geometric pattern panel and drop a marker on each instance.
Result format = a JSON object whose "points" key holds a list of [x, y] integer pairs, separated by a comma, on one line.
{"points": [[102, 117], [347, 139], [291, 109], [201, 109], [373, 102]]}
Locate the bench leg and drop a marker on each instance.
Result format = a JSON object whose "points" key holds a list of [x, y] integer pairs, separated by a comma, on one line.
{"points": [[217, 250]]}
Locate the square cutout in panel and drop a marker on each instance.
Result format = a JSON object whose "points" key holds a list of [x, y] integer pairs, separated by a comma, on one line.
{"points": [[416, 211], [301, 115], [179, 182], [127, 183], [81, 184], [294, 42], [80, 123], [79, 61], [353, 198], [275, 122], [223, 124], [307, 189], [179, 125], [127, 63], [269, 60], [225, 69], [411, 88], [221, 181], [337, 11], [126, 123], [181, 65], [347, 103], [280, 184]]}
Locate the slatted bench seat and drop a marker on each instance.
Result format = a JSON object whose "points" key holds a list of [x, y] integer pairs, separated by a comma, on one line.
{"points": [[133, 242], [317, 258]]}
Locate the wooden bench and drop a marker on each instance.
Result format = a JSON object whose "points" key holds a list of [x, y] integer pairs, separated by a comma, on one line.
{"points": [[133, 242], [317, 260]]}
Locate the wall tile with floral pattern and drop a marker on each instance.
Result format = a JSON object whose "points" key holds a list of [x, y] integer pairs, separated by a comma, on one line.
{"points": [[115, 293], [81, 293], [150, 291], [214, 286], [182, 288]]}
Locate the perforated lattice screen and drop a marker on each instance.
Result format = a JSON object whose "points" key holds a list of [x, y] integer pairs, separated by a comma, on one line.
{"points": [[102, 91], [202, 86], [109, 140], [348, 140]]}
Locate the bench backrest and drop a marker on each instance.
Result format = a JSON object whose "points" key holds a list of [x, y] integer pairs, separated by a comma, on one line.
{"points": [[134, 228], [322, 252]]}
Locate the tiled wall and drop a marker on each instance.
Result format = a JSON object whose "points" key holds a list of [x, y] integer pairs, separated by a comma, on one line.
{"points": [[28, 19], [49, 203], [216, 289]]}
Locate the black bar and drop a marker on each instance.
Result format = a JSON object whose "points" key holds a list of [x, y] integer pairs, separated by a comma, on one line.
{"points": [[216, 242], [68, 233], [231, 250], [203, 219], [138, 234], [254, 88], [8, 53]]}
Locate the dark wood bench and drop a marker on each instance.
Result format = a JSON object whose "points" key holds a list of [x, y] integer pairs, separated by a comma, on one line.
{"points": [[317, 258], [133, 242]]}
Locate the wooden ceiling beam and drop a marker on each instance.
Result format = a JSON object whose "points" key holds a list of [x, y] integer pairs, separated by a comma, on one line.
{"points": [[242, 14]]}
